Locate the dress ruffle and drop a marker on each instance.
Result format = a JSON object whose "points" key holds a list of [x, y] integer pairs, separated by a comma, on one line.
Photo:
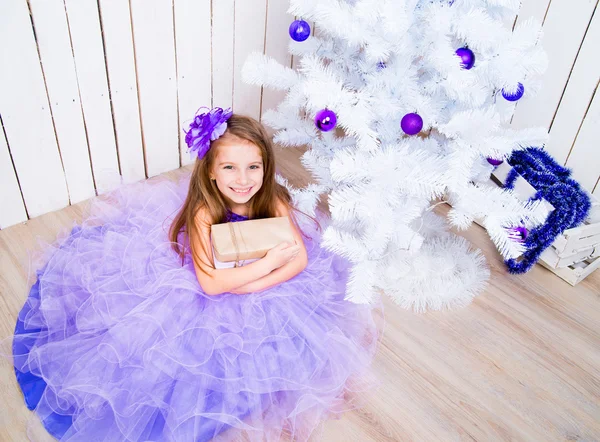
{"points": [[118, 342]]}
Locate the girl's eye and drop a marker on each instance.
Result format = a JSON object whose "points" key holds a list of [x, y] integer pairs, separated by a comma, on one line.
{"points": [[255, 167], [228, 167]]}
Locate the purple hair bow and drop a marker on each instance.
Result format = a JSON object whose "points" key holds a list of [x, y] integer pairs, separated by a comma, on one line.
{"points": [[206, 126]]}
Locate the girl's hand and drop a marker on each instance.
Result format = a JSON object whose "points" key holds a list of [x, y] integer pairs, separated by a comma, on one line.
{"points": [[282, 254]]}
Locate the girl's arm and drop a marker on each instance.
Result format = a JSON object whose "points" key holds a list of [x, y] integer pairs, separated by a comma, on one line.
{"points": [[216, 281], [283, 273]]}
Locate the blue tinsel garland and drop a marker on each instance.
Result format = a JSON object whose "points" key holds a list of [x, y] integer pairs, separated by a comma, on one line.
{"points": [[553, 183]]}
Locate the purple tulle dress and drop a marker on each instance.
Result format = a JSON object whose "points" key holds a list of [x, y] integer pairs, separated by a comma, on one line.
{"points": [[118, 342]]}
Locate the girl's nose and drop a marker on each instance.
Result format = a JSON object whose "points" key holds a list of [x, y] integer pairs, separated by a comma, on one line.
{"points": [[242, 178]]}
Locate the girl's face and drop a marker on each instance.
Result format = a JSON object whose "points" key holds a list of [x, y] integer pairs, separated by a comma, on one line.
{"points": [[237, 170]]}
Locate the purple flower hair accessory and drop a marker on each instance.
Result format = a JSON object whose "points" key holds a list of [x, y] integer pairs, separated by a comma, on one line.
{"points": [[207, 126]]}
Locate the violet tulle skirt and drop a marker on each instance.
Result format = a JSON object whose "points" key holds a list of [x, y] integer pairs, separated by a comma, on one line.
{"points": [[118, 342]]}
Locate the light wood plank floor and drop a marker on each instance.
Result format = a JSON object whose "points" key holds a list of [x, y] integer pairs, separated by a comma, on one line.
{"points": [[521, 363]]}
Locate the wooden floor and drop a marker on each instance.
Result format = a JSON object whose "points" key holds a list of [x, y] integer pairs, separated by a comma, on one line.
{"points": [[521, 363]]}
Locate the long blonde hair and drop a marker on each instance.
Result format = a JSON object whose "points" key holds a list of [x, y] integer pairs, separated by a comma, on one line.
{"points": [[204, 194]]}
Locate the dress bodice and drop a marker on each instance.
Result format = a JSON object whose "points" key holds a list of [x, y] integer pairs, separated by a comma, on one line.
{"points": [[234, 217]]}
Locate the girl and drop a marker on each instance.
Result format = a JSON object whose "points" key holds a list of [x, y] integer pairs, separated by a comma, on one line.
{"points": [[235, 179], [129, 335]]}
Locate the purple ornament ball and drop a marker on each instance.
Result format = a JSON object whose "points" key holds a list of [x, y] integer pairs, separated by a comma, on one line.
{"points": [[514, 96], [494, 162], [325, 120], [411, 123], [518, 234], [299, 30], [467, 57]]}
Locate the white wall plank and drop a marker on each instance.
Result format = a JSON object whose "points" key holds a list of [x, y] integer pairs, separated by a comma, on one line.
{"points": [[155, 58], [250, 18], [533, 9], [584, 159], [12, 208], [276, 46], [577, 96], [564, 29], [193, 44], [54, 43], [120, 61], [86, 39], [295, 62], [222, 53], [26, 113]]}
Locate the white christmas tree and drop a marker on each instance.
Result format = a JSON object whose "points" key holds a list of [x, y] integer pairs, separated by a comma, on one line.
{"points": [[419, 94]]}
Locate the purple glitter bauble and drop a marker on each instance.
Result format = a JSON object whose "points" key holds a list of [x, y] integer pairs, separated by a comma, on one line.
{"points": [[467, 57], [299, 30], [518, 234], [514, 96], [411, 124], [325, 120], [494, 162]]}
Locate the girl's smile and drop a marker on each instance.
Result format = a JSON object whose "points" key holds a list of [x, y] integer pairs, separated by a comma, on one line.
{"points": [[242, 192]]}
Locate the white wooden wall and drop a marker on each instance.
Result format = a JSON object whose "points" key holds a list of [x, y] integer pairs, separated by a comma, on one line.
{"points": [[95, 92], [567, 102]]}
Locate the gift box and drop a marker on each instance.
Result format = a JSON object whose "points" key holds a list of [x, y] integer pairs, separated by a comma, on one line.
{"points": [[242, 241], [576, 252]]}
